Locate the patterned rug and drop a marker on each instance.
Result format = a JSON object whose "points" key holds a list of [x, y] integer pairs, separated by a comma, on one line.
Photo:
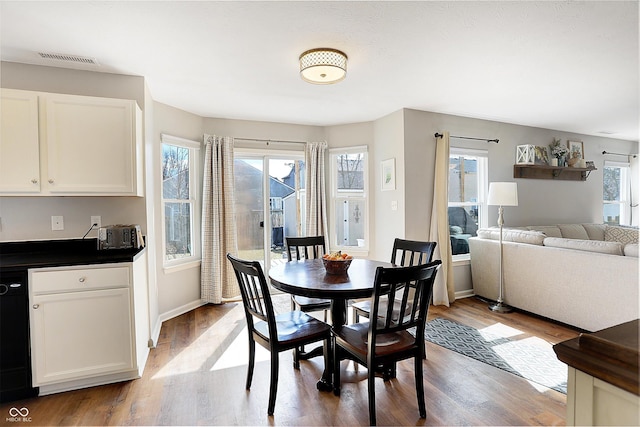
{"points": [[530, 358]]}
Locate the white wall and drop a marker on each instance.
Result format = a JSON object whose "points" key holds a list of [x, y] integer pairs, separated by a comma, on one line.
{"points": [[178, 288], [387, 224]]}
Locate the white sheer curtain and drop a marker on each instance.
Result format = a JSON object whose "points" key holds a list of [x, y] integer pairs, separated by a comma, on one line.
{"points": [[316, 205], [218, 221], [443, 289]]}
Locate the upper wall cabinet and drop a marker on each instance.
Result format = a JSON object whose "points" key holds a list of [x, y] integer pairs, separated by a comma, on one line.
{"points": [[19, 143], [75, 146]]}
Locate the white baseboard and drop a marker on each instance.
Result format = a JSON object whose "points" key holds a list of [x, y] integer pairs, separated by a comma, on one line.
{"points": [[465, 294], [175, 313]]}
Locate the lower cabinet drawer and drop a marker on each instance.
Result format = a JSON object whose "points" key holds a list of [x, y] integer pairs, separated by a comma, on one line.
{"points": [[70, 280]]}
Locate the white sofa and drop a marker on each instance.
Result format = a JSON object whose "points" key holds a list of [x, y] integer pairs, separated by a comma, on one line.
{"points": [[584, 275]]}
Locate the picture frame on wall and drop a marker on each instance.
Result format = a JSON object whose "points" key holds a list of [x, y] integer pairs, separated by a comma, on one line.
{"points": [[576, 149], [541, 155], [388, 168]]}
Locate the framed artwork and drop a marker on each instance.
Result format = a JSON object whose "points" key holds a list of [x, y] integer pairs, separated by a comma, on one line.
{"points": [[576, 149], [388, 174], [541, 155]]}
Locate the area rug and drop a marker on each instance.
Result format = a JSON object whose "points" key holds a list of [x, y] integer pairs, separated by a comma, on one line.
{"points": [[530, 358]]}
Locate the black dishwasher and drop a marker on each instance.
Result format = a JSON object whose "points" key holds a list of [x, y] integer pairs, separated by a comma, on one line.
{"points": [[15, 353]]}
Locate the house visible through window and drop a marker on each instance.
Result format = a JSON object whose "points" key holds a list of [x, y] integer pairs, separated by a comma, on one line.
{"points": [[349, 197], [179, 160], [616, 193], [467, 208]]}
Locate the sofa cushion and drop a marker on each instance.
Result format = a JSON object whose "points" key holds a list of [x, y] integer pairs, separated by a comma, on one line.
{"points": [[548, 230], [612, 248], [595, 231], [573, 231], [623, 235], [631, 249], [513, 235]]}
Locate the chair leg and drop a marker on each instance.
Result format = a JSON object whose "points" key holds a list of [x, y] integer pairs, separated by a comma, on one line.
{"points": [[420, 386], [371, 376], [336, 368], [252, 360], [273, 386], [296, 350]]}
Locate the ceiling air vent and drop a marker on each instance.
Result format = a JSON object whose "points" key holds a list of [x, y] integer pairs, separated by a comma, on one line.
{"points": [[68, 58]]}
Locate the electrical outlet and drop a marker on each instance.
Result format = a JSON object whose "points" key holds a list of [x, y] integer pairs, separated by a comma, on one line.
{"points": [[57, 223], [96, 220]]}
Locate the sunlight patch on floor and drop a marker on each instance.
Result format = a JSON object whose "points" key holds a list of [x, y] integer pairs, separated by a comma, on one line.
{"points": [[552, 372], [237, 354], [203, 350], [498, 330]]}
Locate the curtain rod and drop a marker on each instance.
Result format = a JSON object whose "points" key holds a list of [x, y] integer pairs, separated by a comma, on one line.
{"points": [[439, 135], [619, 154], [271, 140]]}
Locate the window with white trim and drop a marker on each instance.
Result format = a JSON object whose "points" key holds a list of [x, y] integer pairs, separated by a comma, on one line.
{"points": [[616, 193], [180, 158], [349, 198], [467, 208]]}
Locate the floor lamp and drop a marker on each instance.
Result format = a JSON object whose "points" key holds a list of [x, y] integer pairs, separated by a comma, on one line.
{"points": [[502, 194]]}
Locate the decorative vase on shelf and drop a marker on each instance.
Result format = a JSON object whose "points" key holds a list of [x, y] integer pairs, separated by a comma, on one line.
{"points": [[554, 162], [561, 161]]}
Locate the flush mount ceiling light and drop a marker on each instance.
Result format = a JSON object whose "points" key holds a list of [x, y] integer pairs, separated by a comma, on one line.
{"points": [[323, 66]]}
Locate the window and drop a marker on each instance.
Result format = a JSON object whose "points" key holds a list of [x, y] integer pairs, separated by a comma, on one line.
{"points": [[468, 176], [349, 198], [179, 189], [616, 193]]}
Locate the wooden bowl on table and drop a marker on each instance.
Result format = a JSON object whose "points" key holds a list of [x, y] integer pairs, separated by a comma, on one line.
{"points": [[336, 265]]}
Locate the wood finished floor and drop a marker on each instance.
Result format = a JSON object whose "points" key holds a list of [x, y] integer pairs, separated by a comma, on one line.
{"points": [[196, 376]]}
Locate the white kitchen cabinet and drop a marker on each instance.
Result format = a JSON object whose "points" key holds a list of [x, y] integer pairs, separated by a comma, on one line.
{"points": [[85, 330], [19, 142], [86, 146]]}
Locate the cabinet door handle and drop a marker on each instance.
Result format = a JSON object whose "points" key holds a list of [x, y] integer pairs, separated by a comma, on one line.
{"points": [[36, 306], [50, 181], [82, 279], [34, 181]]}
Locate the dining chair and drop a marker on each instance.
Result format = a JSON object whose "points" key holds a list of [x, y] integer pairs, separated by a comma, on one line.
{"points": [[398, 332], [307, 248], [405, 253], [276, 333]]}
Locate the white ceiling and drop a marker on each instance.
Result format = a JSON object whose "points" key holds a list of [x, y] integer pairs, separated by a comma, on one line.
{"points": [[561, 65]]}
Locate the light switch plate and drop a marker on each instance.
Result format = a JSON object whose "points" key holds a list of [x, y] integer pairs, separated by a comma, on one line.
{"points": [[394, 205]]}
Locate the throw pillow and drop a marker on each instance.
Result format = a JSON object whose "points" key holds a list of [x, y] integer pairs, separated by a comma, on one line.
{"points": [[595, 231], [612, 248], [573, 231], [623, 235]]}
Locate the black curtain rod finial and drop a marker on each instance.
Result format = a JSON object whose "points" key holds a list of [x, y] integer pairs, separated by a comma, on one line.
{"points": [[439, 135]]}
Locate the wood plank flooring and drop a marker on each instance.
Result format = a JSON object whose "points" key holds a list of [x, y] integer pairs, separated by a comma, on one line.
{"points": [[196, 376]]}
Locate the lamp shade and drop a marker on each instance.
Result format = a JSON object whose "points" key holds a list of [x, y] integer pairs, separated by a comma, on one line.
{"points": [[503, 194], [323, 66]]}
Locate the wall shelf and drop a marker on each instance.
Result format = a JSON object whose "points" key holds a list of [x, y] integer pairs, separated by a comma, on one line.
{"points": [[551, 172]]}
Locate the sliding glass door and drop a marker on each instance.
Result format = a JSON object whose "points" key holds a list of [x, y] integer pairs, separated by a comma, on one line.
{"points": [[270, 202]]}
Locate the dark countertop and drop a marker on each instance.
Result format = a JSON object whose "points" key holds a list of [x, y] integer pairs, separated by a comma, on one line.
{"points": [[55, 253], [611, 355]]}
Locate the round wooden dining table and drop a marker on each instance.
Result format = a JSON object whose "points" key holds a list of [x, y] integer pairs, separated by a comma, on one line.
{"points": [[308, 278]]}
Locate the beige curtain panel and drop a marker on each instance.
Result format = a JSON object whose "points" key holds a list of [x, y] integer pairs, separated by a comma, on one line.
{"points": [[218, 221], [443, 289], [316, 205]]}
